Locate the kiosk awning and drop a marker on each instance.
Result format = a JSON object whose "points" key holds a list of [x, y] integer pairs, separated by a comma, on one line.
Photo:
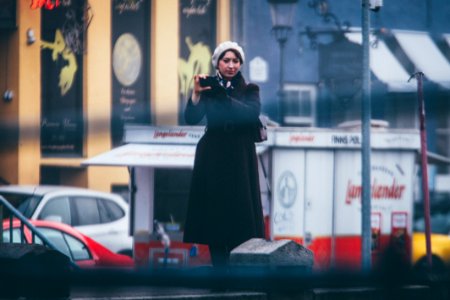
{"points": [[384, 65], [150, 155], [436, 159], [426, 56], [447, 39], [146, 155]]}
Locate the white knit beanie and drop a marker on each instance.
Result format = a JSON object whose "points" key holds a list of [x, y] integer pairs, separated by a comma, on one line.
{"points": [[224, 47]]}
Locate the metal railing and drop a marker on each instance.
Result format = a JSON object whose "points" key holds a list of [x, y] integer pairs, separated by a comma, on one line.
{"points": [[14, 213]]}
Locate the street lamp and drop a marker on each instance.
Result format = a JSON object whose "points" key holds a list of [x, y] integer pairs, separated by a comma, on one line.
{"points": [[282, 13]]}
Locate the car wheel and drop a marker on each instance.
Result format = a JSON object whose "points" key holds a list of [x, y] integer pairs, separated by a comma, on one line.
{"points": [[437, 265]]}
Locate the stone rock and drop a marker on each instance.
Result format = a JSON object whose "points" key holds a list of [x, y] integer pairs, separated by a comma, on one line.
{"points": [[259, 252]]}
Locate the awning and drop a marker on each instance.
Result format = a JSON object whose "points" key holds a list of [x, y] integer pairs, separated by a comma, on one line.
{"points": [[146, 155], [385, 66], [426, 56], [436, 159], [447, 39], [150, 155]]}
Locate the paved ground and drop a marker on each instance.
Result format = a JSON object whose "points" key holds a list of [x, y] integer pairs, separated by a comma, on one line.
{"points": [[142, 293], [361, 293], [246, 283]]}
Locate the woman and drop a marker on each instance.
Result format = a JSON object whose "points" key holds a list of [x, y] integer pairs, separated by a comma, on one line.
{"points": [[224, 207]]}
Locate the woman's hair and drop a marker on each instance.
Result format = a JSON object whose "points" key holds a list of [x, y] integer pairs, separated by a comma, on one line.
{"points": [[238, 55]]}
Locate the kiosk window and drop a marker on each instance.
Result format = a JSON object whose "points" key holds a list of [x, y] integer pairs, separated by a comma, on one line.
{"points": [[171, 196]]}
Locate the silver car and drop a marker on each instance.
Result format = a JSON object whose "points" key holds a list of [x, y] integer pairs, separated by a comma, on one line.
{"points": [[102, 216]]}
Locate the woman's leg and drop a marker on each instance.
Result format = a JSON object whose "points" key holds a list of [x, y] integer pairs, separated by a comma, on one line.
{"points": [[220, 255]]}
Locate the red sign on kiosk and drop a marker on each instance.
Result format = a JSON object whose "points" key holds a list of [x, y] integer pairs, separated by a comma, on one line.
{"points": [[152, 253], [400, 239], [376, 231]]}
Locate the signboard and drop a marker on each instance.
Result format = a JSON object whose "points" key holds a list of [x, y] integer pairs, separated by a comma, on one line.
{"points": [[163, 135], [391, 187], [175, 257], [47, 4], [340, 68], [259, 70], [375, 225], [345, 139], [62, 84], [130, 65], [197, 41]]}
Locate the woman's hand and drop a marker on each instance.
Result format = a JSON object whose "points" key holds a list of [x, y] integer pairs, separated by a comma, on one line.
{"points": [[197, 88]]}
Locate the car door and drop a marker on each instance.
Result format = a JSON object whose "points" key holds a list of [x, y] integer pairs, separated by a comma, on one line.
{"points": [[56, 209], [92, 217], [69, 245]]}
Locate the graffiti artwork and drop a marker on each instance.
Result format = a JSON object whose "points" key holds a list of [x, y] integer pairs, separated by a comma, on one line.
{"points": [[199, 62], [197, 38], [59, 49]]}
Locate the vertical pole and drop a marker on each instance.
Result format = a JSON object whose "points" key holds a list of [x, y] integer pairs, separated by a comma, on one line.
{"points": [[366, 116], [132, 199], [1, 226], [281, 103], [423, 152]]}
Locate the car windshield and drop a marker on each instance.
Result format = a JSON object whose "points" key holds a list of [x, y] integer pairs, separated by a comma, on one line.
{"points": [[24, 203], [439, 217]]}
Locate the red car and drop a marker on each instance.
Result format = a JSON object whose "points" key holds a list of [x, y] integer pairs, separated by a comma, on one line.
{"points": [[82, 250]]}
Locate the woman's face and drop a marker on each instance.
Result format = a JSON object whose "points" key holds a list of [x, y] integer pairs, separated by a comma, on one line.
{"points": [[229, 65]]}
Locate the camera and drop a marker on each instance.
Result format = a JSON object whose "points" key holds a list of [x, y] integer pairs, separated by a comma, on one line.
{"points": [[208, 81]]}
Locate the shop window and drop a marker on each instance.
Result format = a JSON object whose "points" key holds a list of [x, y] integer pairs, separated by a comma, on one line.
{"points": [[299, 104]]}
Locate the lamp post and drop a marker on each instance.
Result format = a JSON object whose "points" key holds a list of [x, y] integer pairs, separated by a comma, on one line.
{"points": [[282, 13], [366, 210]]}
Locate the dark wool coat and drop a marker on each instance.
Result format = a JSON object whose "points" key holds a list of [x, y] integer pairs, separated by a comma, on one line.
{"points": [[224, 202]]}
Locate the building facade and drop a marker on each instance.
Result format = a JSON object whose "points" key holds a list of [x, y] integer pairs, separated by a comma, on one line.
{"points": [[72, 73], [323, 65]]}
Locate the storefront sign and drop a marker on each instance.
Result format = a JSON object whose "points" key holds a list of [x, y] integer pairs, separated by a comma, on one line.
{"points": [[259, 70], [62, 84], [343, 139], [389, 191], [340, 69], [391, 186], [341, 59], [130, 65]]}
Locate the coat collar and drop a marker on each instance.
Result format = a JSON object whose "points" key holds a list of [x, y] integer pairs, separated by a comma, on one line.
{"points": [[236, 83]]}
